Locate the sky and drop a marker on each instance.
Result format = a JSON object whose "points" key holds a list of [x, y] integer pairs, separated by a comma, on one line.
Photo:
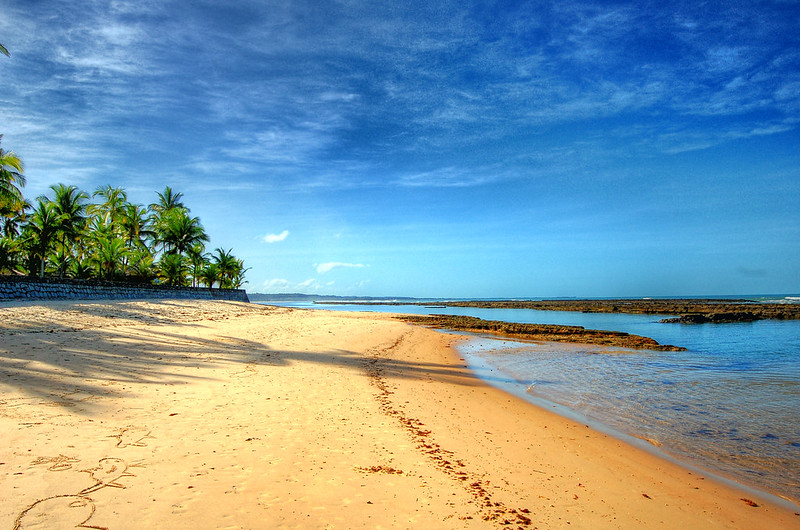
{"points": [[432, 148]]}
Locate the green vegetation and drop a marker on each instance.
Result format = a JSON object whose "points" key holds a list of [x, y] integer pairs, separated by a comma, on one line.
{"points": [[70, 234]]}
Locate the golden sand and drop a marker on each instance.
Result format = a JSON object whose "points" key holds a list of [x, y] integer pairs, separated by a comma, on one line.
{"points": [[180, 414]]}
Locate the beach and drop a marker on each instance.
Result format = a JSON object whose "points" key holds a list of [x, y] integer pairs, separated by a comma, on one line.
{"points": [[188, 414]]}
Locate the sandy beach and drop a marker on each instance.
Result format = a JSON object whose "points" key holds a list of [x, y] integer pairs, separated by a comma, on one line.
{"points": [[186, 414]]}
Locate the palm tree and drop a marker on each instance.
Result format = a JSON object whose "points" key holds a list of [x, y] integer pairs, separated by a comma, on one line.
{"points": [[109, 257], [70, 205], [61, 260], [80, 269], [230, 270], [4, 51], [12, 215], [169, 200], [226, 265], [140, 265], [178, 232], [208, 275], [198, 260], [41, 232], [108, 239], [114, 204], [134, 226], [173, 269], [9, 250], [237, 280], [96, 229], [11, 177]]}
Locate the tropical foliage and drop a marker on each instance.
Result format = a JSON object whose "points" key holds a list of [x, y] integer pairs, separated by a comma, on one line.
{"points": [[69, 233], [11, 178]]}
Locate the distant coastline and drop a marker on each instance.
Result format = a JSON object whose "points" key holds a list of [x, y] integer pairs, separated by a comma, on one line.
{"points": [[690, 311], [332, 299], [715, 310]]}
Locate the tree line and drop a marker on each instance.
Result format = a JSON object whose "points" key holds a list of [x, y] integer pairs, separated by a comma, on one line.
{"points": [[69, 233]]}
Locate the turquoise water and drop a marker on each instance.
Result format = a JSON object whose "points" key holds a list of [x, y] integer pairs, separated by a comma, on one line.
{"points": [[730, 404]]}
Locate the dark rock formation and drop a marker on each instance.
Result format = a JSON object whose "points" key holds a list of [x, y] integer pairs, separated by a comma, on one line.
{"points": [[541, 332], [713, 318]]}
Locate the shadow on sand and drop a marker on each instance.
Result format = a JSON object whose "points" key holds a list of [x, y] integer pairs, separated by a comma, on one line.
{"points": [[65, 367]]}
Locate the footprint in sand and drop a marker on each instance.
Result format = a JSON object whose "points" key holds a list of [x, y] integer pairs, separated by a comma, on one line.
{"points": [[60, 511], [107, 474]]}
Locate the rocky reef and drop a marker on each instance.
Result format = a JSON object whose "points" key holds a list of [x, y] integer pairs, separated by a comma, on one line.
{"points": [[689, 310], [540, 332], [712, 318]]}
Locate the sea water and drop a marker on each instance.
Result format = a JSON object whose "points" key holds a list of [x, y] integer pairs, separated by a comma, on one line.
{"points": [[729, 404]]}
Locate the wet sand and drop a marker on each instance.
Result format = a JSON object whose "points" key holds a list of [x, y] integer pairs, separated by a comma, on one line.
{"points": [[226, 415]]}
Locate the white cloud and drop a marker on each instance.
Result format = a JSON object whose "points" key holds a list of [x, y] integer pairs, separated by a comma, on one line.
{"points": [[275, 238], [311, 282], [451, 177], [322, 268], [280, 285], [277, 284]]}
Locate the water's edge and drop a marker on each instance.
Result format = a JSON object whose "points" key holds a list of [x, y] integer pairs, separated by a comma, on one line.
{"points": [[517, 388], [724, 408]]}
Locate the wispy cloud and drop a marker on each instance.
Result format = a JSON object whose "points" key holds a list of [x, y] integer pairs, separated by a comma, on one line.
{"points": [[392, 87], [312, 285], [281, 285], [276, 284], [452, 177], [322, 268], [275, 238]]}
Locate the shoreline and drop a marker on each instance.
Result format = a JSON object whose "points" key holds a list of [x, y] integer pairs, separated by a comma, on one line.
{"points": [[179, 413], [478, 365]]}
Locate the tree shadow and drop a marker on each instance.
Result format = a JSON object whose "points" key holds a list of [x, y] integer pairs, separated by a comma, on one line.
{"points": [[66, 315], [72, 369]]}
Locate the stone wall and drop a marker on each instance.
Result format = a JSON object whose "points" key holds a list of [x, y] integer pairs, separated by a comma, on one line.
{"points": [[25, 288]]}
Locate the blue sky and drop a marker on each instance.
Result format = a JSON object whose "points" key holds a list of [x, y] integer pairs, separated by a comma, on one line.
{"points": [[433, 149]]}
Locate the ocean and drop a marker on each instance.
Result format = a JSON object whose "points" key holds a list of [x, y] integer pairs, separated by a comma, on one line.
{"points": [[730, 404]]}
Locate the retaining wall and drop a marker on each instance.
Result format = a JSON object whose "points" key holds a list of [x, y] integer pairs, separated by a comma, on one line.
{"points": [[26, 288]]}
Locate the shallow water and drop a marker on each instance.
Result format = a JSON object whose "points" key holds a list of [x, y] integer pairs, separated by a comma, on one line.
{"points": [[732, 416], [730, 404]]}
